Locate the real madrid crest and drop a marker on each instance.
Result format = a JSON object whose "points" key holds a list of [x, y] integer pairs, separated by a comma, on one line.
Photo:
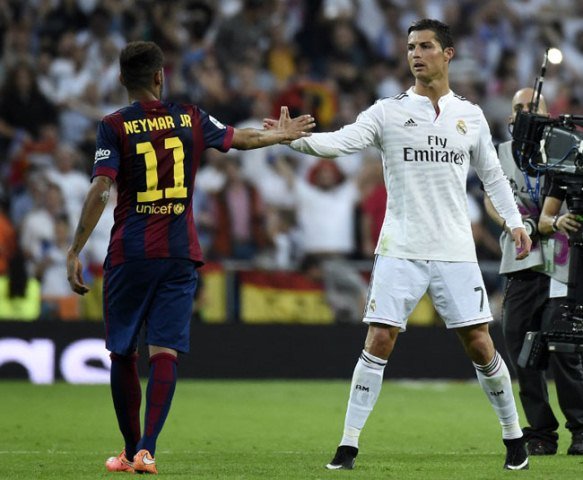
{"points": [[461, 127]]}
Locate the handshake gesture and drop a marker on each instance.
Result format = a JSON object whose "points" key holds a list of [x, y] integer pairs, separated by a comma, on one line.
{"points": [[284, 130], [295, 127]]}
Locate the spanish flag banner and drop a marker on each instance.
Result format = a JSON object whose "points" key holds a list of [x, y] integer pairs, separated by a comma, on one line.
{"points": [[282, 297]]}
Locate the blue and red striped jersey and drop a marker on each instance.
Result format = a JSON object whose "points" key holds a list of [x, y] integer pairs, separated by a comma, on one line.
{"points": [[152, 151]]}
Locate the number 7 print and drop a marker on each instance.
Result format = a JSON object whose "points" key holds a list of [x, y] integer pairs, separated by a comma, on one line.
{"points": [[481, 290]]}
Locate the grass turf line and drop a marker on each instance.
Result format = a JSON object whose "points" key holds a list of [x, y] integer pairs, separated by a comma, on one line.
{"points": [[267, 430]]}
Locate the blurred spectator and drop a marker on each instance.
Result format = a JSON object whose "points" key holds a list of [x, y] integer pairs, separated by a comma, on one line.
{"points": [[71, 70], [326, 191], [7, 236], [38, 226], [108, 70], [372, 207], [239, 216], [386, 42], [308, 96], [281, 56], [250, 79], [58, 302], [199, 20], [31, 153], [202, 206], [211, 175], [95, 37], [348, 56], [573, 55], [63, 16], [208, 86], [285, 239], [312, 40], [272, 181], [79, 116], [167, 29], [494, 34], [23, 108], [19, 293], [18, 45], [247, 31], [67, 175], [26, 198]]}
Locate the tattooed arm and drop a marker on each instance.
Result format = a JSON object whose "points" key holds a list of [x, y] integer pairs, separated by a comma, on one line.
{"points": [[93, 207]]}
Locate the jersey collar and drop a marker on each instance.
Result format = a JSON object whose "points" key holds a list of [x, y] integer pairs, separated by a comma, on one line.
{"points": [[421, 98], [148, 104]]}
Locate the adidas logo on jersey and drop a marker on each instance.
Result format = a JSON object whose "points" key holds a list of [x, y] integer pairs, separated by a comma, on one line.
{"points": [[410, 123], [102, 154]]}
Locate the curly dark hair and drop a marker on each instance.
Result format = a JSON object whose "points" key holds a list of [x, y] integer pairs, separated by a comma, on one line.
{"points": [[138, 62]]}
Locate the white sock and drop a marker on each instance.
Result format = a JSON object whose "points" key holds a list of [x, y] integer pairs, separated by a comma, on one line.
{"points": [[496, 383], [367, 380]]}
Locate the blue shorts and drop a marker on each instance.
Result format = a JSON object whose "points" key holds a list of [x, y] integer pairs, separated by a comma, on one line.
{"points": [[156, 292]]}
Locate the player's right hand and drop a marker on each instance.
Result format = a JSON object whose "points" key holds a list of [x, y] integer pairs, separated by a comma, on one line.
{"points": [[75, 274], [522, 242]]}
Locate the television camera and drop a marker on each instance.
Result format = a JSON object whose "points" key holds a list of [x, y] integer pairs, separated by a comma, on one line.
{"points": [[542, 145]]}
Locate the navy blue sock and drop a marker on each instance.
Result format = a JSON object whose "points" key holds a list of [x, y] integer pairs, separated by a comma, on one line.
{"points": [[159, 393], [127, 397]]}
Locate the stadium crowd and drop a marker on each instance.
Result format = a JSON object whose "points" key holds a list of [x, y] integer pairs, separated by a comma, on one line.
{"points": [[240, 60]]}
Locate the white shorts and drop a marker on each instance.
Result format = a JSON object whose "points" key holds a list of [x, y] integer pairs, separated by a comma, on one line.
{"points": [[456, 289]]}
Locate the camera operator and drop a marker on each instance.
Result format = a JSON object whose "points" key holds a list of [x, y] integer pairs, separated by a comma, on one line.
{"points": [[530, 303]]}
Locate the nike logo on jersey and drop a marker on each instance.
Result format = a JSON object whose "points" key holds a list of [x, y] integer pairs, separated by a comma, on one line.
{"points": [[410, 123], [102, 154], [216, 122]]}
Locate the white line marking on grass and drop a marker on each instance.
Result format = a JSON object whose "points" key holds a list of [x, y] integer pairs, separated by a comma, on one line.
{"points": [[19, 452]]}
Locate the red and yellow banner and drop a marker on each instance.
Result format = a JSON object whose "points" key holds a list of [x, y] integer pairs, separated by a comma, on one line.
{"points": [[282, 297]]}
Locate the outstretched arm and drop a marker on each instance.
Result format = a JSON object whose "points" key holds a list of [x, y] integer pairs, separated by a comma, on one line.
{"points": [[363, 133], [284, 132], [93, 207]]}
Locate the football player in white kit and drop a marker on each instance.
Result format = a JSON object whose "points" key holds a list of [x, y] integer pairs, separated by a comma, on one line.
{"points": [[428, 137]]}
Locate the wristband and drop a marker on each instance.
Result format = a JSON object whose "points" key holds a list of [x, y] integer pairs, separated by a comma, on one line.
{"points": [[555, 226]]}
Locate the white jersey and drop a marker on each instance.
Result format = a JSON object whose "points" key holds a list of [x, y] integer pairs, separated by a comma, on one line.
{"points": [[426, 158]]}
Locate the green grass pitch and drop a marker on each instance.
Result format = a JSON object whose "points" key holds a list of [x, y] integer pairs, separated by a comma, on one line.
{"points": [[267, 430]]}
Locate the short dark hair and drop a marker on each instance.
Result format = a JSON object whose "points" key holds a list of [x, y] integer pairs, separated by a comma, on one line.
{"points": [[441, 30], [138, 62]]}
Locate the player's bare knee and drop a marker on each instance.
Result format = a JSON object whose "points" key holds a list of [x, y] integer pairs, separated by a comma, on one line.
{"points": [[380, 340], [480, 349]]}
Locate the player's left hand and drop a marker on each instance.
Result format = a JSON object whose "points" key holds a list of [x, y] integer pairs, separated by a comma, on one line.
{"points": [[75, 274], [270, 123], [522, 242]]}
